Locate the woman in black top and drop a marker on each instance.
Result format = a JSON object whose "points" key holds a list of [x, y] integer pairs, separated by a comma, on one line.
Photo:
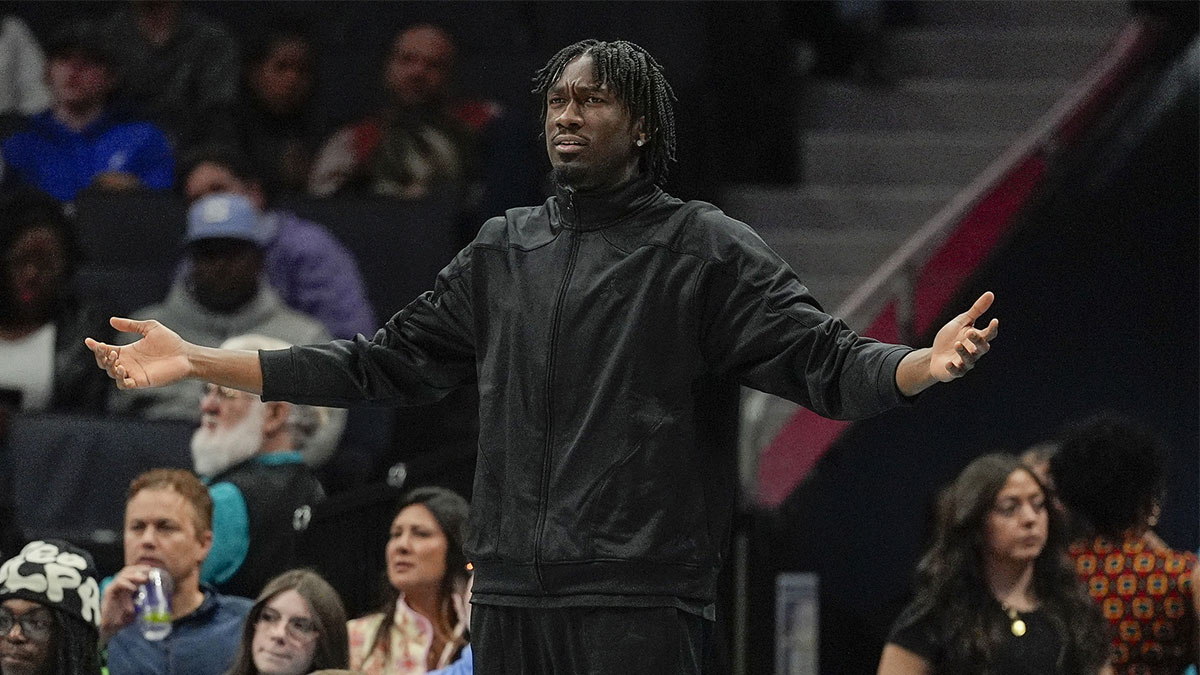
{"points": [[994, 593]]}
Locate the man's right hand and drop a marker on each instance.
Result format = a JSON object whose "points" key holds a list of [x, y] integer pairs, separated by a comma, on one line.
{"points": [[159, 358], [116, 605]]}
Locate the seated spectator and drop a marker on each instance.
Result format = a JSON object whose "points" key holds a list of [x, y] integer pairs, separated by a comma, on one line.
{"points": [[81, 140], [273, 123], [42, 322], [262, 492], [168, 525], [22, 70], [297, 625], [422, 625], [1111, 476], [415, 145], [994, 593], [177, 68], [224, 294], [49, 611], [310, 269]]}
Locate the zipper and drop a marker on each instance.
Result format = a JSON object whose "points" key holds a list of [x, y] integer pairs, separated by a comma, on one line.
{"points": [[550, 362]]}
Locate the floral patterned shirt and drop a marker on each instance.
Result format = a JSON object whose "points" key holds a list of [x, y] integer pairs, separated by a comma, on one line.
{"points": [[410, 637], [1146, 596]]}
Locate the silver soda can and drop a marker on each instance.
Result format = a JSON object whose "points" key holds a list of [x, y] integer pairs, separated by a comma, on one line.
{"points": [[153, 604]]}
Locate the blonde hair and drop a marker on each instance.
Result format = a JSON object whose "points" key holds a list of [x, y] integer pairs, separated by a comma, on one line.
{"points": [[185, 483]]}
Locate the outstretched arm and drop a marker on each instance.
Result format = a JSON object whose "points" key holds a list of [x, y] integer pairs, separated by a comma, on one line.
{"points": [[161, 357], [956, 348]]}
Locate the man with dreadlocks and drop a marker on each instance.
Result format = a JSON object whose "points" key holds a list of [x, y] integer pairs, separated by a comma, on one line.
{"points": [[49, 611], [598, 523]]}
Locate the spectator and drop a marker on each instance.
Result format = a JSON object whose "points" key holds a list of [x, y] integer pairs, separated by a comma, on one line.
{"points": [[310, 269], [168, 525], [221, 296], [22, 70], [81, 140], [994, 593], [262, 492], [49, 610], [1111, 474], [177, 68], [422, 625], [414, 146], [297, 625], [41, 320], [273, 122]]}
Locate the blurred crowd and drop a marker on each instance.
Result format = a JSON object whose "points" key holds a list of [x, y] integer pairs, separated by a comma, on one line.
{"points": [[156, 104], [118, 102]]}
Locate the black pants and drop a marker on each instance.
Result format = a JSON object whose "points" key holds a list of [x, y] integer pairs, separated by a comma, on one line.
{"points": [[586, 641]]}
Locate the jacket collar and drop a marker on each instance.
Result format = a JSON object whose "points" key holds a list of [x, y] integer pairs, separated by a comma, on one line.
{"points": [[596, 210]]}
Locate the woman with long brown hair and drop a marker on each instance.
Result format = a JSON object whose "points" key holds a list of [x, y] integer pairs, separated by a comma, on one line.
{"points": [[296, 626], [422, 625], [994, 592]]}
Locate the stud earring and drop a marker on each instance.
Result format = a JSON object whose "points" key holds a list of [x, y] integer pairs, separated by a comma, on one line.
{"points": [[640, 142]]}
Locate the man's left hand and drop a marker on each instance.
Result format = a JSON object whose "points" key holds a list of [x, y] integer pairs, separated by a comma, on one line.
{"points": [[959, 344]]}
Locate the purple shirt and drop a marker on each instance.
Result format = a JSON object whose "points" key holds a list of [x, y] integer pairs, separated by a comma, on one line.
{"points": [[315, 274]]}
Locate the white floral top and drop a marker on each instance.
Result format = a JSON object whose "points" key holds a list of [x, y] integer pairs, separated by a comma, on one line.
{"points": [[410, 637]]}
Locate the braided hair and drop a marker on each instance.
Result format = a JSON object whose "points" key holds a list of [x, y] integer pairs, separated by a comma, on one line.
{"points": [[638, 81], [76, 652]]}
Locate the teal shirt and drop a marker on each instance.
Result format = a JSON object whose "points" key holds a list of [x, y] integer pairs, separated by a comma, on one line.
{"points": [[231, 523]]}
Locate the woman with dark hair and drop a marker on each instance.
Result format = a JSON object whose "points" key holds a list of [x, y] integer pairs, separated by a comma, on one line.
{"points": [[423, 623], [274, 124], [42, 322], [298, 625], [994, 593], [1110, 474]]}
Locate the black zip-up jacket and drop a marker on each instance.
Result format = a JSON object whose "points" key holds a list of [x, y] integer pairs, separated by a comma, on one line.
{"points": [[585, 322]]}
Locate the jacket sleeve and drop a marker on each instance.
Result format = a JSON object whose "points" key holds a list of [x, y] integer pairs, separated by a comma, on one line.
{"points": [[761, 326], [420, 355]]}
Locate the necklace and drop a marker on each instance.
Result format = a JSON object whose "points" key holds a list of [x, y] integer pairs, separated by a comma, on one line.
{"points": [[1018, 626]]}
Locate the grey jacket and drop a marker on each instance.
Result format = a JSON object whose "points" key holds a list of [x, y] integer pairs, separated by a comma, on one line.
{"points": [[265, 314]]}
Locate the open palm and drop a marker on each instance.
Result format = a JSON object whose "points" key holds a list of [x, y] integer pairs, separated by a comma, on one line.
{"points": [[157, 359]]}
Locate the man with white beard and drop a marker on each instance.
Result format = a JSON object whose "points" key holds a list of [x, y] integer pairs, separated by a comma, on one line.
{"points": [[262, 492]]}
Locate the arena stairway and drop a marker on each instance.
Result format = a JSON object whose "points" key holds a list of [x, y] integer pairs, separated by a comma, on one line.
{"points": [[880, 160]]}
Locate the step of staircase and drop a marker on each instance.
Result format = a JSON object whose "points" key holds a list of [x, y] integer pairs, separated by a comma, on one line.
{"points": [[834, 252], [939, 105], [908, 158], [1028, 13], [1012, 53], [835, 207]]}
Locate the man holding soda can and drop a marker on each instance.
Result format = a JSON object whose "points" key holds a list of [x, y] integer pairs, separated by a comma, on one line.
{"points": [[155, 616]]}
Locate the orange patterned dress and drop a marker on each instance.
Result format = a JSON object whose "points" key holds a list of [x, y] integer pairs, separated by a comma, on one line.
{"points": [[1146, 596]]}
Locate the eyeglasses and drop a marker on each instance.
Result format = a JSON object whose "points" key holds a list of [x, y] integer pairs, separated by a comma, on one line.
{"points": [[298, 628], [34, 625], [224, 393]]}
